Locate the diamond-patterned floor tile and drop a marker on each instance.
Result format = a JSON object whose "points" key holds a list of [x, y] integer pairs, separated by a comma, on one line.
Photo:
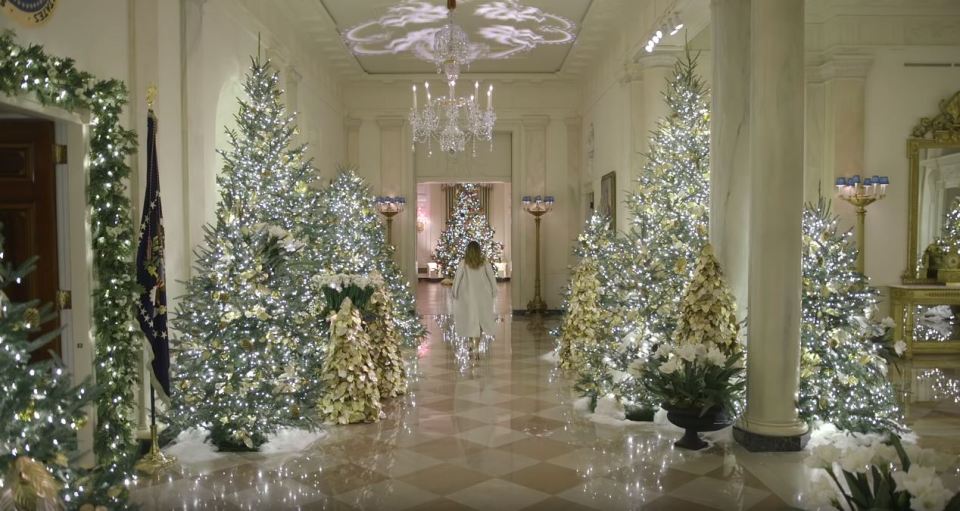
{"points": [[492, 435], [501, 433], [497, 494], [445, 478], [539, 448], [545, 477]]}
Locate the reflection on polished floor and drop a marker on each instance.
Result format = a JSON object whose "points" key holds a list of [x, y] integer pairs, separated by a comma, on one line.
{"points": [[492, 427]]}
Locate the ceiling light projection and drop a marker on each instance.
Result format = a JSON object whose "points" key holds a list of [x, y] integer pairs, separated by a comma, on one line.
{"points": [[412, 26]]}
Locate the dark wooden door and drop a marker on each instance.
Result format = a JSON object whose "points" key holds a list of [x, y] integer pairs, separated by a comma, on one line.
{"points": [[28, 211]]}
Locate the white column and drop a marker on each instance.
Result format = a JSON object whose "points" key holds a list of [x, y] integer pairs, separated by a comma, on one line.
{"points": [[730, 143], [770, 421]]}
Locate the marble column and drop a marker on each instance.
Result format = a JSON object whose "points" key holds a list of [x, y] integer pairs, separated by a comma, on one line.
{"points": [[730, 143], [770, 421]]}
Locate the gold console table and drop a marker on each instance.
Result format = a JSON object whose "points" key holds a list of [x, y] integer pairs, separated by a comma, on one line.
{"points": [[904, 300]]}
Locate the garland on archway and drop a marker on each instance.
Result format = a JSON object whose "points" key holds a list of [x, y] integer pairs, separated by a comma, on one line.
{"points": [[56, 81]]}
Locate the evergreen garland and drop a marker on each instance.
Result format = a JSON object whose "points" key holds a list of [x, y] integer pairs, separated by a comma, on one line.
{"points": [[56, 81]]}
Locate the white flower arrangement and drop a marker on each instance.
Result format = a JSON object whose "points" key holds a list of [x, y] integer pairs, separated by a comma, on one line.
{"points": [[340, 281], [873, 472]]}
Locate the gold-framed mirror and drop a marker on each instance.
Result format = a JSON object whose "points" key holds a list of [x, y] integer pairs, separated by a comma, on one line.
{"points": [[933, 155]]}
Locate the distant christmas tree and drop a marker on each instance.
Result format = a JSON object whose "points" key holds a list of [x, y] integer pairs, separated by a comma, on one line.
{"points": [[671, 204], [41, 413], [842, 375], [350, 238], [249, 347], [467, 223]]}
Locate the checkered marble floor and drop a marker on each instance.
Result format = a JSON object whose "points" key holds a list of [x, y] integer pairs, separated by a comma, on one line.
{"points": [[491, 427]]}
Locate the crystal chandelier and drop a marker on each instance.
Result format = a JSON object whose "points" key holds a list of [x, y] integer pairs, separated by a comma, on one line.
{"points": [[451, 120]]}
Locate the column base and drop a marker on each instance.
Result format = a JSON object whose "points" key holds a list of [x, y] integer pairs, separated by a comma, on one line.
{"points": [[756, 442]]}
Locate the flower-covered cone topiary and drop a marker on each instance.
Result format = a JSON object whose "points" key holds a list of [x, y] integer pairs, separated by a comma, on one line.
{"points": [[707, 310], [702, 367], [583, 319], [349, 376], [385, 341]]}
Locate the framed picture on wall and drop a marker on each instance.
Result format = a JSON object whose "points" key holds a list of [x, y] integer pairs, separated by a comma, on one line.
{"points": [[608, 197]]}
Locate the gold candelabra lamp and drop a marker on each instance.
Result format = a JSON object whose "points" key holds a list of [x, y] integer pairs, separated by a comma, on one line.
{"points": [[860, 194], [537, 206], [389, 207]]}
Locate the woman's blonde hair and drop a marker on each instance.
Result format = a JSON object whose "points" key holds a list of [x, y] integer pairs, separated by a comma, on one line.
{"points": [[473, 256]]}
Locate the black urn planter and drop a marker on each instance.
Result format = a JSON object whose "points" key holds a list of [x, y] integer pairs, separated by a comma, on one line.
{"points": [[693, 423]]}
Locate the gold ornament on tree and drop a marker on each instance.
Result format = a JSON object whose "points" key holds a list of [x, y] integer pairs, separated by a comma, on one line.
{"points": [[32, 488]]}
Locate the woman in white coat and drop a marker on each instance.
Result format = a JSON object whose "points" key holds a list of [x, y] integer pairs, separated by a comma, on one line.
{"points": [[474, 290]]}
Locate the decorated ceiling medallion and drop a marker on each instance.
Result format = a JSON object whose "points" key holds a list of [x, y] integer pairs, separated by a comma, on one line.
{"points": [[506, 26]]}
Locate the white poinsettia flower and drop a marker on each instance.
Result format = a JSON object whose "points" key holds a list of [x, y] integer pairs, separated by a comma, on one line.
{"points": [[857, 459], [917, 480], [823, 493], [670, 366], [715, 356], [823, 456], [635, 368], [887, 322], [663, 351], [900, 348], [687, 352], [933, 498]]}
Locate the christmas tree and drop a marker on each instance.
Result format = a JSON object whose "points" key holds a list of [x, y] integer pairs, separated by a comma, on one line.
{"points": [[671, 204], [249, 347], [41, 413], [647, 270], [351, 240], [842, 375], [467, 223]]}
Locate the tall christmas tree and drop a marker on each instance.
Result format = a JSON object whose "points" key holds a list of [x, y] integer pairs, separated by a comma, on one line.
{"points": [[467, 223], [671, 204], [350, 235], [842, 376], [249, 347], [648, 269], [41, 413]]}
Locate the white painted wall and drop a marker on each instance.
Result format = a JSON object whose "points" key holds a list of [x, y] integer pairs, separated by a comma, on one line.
{"points": [[896, 98], [531, 115]]}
